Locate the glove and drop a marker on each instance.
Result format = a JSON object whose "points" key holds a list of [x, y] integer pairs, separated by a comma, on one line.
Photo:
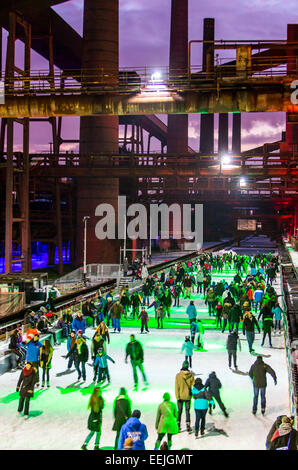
{"points": [[275, 382]]}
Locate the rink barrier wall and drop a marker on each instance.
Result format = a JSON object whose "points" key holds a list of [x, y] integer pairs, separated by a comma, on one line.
{"points": [[288, 284]]}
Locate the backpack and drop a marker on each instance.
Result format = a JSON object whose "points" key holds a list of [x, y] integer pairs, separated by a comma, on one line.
{"points": [[288, 444]]}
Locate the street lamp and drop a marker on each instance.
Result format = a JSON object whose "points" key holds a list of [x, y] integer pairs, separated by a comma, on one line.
{"points": [[85, 219]]}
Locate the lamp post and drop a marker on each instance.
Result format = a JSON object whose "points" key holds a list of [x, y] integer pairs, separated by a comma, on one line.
{"points": [[85, 219]]}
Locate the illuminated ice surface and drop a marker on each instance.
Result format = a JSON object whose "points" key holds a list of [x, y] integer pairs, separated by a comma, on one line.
{"points": [[58, 416]]}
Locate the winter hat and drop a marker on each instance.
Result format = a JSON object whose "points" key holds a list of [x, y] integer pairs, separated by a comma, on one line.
{"points": [[198, 381], [80, 332], [128, 443], [185, 365]]}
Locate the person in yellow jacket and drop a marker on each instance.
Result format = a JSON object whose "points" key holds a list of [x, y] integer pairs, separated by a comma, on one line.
{"points": [[46, 354], [183, 385], [166, 421]]}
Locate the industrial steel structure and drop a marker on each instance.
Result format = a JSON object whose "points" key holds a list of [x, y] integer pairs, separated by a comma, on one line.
{"points": [[47, 195]]}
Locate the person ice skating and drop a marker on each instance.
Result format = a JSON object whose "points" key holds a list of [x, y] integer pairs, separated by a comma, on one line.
{"points": [[166, 421], [121, 411], [191, 311], [83, 355], [285, 436], [96, 404], [200, 342], [46, 354], [177, 293], [160, 316], [201, 405], [135, 351], [79, 323], [101, 366], [25, 386], [144, 320], [183, 384], [249, 324], [258, 373], [277, 312], [134, 429], [116, 311], [232, 342], [267, 324], [33, 346], [103, 330], [234, 317], [194, 329], [70, 346], [79, 352], [213, 385], [188, 348]]}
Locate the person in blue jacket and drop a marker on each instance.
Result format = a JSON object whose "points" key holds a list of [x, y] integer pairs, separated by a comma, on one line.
{"points": [[188, 347], [201, 405], [134, 429], [101, 366], [79, 323], [33, 355], [191, 311], [277, 312]]}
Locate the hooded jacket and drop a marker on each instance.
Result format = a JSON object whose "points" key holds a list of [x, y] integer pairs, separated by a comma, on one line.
{"points": [[78, 324], [183, 384], [166, 418], [33, 351], [191, 311], [134, 429], [213, 383], [188, 347]]}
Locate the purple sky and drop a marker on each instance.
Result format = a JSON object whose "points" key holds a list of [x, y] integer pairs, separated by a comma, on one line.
{"points": [[144, 40]]}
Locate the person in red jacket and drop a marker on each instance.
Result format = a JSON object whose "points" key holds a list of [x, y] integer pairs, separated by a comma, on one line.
{"points": [[144, 320]]}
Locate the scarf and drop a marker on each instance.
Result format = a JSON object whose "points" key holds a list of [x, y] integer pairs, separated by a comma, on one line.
{"points": [[27, 372], [284, 428]]}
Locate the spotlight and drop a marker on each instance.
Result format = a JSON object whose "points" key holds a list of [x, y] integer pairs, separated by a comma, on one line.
{"points": [[156, 76], [242, 182], [225, 159]]}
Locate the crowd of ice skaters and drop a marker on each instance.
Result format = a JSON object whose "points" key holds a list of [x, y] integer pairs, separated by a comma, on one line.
{"points": [[235, 305]]}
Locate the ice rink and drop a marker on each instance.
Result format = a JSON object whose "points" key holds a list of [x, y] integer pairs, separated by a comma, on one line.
{"points": [[58, 415]]}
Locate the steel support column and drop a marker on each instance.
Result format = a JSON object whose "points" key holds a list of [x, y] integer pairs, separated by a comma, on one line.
{"points": [[207, 120]]}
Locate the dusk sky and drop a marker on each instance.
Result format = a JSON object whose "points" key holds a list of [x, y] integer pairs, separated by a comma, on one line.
{"points": [[144, 40]]}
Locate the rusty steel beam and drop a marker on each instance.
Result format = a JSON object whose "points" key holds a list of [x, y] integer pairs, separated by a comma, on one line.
{"points": [[270, 98], [159, 171]]}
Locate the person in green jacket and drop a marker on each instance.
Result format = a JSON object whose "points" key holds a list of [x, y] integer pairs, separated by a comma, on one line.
{"points": [[166, 421]]}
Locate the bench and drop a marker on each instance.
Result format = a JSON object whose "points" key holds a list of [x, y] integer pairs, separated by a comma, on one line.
{"points": [[8, 360]]}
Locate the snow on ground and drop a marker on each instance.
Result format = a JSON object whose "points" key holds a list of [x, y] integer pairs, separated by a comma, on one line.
{"points": [[58, 415]]}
